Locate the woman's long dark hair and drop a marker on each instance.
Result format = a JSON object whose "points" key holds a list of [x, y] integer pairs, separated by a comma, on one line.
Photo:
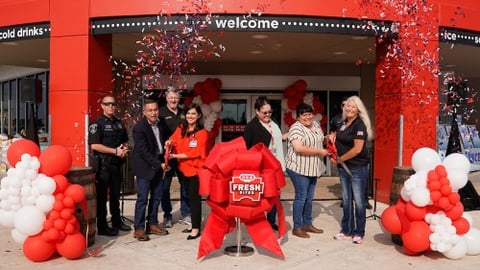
{"points": [[198, 124]]}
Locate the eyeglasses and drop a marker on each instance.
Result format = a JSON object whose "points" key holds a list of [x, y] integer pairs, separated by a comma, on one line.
{"points": [[108, 104], [267, 112]]}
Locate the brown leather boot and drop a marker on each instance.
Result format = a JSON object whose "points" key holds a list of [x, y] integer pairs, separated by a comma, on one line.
{"points": [[155, 229], [312, 229], [140, 235], [300, 233]]}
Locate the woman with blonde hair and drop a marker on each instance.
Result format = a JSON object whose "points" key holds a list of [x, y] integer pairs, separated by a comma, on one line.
{"points": [[353, 167]]}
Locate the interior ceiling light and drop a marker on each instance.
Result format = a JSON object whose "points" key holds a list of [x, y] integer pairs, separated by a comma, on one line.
{"points": [[259, 36], [41, 60], [256, 52], [359, 37], [339, 53], [10, 43]]}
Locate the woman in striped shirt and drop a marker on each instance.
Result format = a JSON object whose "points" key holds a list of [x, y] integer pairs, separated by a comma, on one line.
{"points": [[304, 165]]}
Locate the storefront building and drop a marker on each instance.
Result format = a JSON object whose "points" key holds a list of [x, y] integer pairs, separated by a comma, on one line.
{"points": [[400, 87]]}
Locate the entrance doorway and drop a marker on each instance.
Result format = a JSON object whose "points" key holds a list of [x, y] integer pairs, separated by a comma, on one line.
{"points": [[238, 110]]}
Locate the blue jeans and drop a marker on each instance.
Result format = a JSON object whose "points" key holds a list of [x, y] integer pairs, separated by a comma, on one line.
{"points": [[302, 204], [145, 205], [166, 200], [353, 192]]}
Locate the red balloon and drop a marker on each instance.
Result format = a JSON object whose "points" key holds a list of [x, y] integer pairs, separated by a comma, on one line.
{"points": [[416, 239], [59, 224], [20, 147], [73, 246], [47, 224], [68, 202], [441, 171], [435, 195], [62, 183], [444, 181], [461, 225], [434, 185], [76, 192], [432, 176], [36, 249], [55, 160], [300, 85], [456, 212], [53, 234], [69, 228], [454, 198], [414, 212], [444, 203], [390, 220], [66, 213], [445, 190], [292, 103]]}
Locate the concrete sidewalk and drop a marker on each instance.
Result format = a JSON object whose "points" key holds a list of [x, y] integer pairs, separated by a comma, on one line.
{"points": [[318, 252]]}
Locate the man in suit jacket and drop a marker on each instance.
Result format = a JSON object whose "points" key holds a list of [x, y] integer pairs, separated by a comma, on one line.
{"points": [[149, 135]]}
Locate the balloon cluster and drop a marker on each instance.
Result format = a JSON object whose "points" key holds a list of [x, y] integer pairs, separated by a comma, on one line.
{"points": [[296, 94], [38, 202], [207, 95], [429, 214]]}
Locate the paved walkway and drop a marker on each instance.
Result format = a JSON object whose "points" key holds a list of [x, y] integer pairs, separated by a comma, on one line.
{"points": [[318, 252]]}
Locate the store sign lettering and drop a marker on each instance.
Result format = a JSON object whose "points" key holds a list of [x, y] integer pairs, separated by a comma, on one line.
{"points": [[23, 32]]}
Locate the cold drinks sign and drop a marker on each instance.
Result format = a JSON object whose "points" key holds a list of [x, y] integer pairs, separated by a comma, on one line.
{"points": [[24, 32]]}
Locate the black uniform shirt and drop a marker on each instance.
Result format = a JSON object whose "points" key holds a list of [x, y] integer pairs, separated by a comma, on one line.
{"points": [[106, 131], [172, 120]]}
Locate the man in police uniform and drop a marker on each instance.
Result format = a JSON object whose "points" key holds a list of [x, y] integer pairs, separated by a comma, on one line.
{"points": [[108, 140], [173, 116]]}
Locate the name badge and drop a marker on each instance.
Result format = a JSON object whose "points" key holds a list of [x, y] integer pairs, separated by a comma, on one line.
{"points": [[193, 143]]}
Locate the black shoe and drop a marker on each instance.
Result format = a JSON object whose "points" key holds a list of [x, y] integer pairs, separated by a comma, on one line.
{"points": [[123, 227], [191, 237], [187, 231], [108, 231], [368, 206]]}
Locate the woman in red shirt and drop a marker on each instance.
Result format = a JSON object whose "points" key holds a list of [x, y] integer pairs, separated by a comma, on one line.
{"points": [[189, 143]]}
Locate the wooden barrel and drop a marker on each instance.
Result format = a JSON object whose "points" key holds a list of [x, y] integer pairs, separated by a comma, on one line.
{"points": [[400, 175], [86, 178]]}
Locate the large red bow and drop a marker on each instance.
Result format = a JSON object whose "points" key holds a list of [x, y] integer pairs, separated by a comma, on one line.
{"points": [[332, 149], [224, 161]]}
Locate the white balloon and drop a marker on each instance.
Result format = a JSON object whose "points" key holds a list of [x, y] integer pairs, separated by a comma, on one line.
{"points": [[31, 174], [472, 239], [46, 185], [425, 159], [45, 203], [7, 218], [18, 236], [458, 179], [284, 104], [457, 251], [216, 106], [205, 109], [35, 164], [469, 218], [405, 194], [317, 117], [420, 197], [26, 158], [457, 161], [29, 220], [3, 194]]}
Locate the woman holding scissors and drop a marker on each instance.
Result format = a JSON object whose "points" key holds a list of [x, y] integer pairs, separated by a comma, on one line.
{"points": [[353, 167]]}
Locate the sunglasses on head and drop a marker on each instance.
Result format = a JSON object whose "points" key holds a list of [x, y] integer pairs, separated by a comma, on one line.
{"points": [[108, 104]]}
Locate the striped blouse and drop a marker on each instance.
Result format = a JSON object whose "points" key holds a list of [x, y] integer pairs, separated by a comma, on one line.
{"points": [[305, 165]]}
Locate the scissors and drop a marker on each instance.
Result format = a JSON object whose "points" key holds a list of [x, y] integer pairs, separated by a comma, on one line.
{"points": [[336, 157], [168, 150]]}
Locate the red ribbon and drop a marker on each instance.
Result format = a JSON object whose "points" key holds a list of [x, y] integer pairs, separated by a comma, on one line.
{"points": [[168, 147], [332, 149], [229, 159]]}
